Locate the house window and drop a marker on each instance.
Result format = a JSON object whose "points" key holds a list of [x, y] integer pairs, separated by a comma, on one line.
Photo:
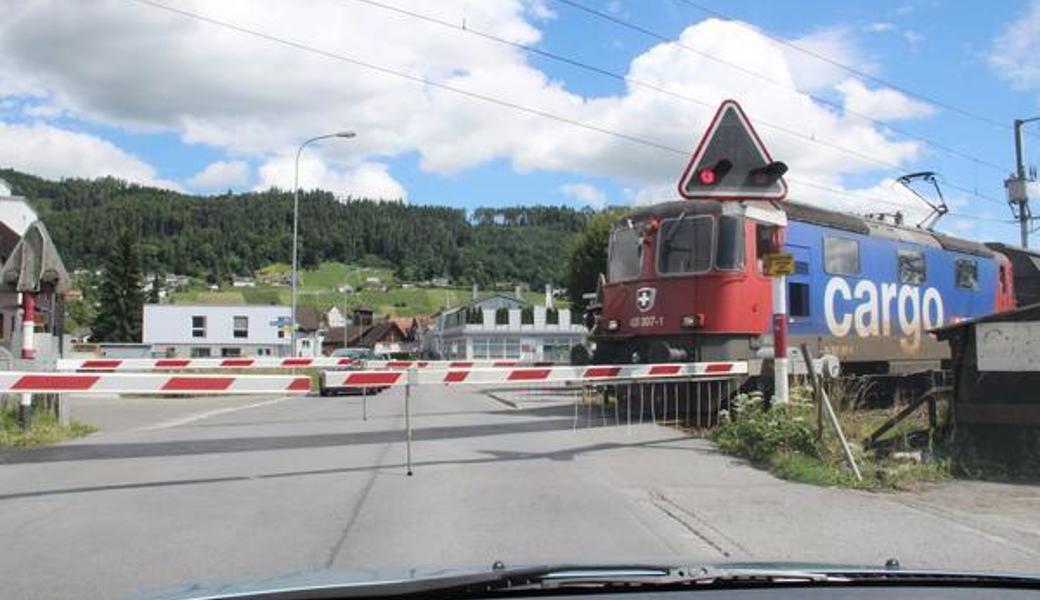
{"points": [[798, 299], [241, 327], [200, 353], [967, 274], [841, 256], [911, 267], [230, 352], [198, 326], [281, 334]]}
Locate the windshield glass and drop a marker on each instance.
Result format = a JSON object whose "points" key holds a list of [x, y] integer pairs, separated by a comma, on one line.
{"points": [[685, 244], [324, 291], [626, 254]]}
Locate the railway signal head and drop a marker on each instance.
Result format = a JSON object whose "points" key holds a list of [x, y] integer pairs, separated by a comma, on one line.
{"points": [[731, 163]]}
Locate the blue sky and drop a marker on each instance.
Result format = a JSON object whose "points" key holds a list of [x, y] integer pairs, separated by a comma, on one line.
{"points": [[128, 89]]}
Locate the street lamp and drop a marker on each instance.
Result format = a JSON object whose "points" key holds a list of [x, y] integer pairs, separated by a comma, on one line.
{"points": [[296, 223]]}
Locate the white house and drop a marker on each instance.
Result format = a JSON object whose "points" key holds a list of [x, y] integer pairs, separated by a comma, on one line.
{"points": [[503, 327], [205, 330], [334, 318]]}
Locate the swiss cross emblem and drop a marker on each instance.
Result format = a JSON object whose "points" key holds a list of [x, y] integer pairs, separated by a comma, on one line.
{"points": [[645, 298]]}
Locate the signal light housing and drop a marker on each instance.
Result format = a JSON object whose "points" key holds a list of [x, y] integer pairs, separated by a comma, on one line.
{"points": [[767, 175], [714, 174]]}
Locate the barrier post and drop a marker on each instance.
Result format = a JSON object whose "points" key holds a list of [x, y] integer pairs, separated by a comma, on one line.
{"points": [[364, 404], [25, 411], [413, 378]]}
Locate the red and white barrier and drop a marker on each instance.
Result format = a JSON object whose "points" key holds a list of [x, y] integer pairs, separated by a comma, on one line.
{"points": [[160, 364], [152, 383], [533, 374], [390, 365], [253, 362]]}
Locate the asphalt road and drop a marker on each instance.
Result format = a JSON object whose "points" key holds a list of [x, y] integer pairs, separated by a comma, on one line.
{"points": [[172, 492]]}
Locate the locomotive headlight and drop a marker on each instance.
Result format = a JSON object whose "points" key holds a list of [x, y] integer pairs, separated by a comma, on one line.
{"points": [[692, 321], [612, 325]]}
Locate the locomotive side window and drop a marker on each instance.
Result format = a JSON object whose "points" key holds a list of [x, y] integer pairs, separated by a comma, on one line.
{"points": [[685, 244], [911, 267], [729, 252], [841, 256], [626, 255], [967, 274], [797, 299]]}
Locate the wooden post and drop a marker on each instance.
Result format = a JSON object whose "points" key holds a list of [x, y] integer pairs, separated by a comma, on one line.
{"points": [[817, 397]]}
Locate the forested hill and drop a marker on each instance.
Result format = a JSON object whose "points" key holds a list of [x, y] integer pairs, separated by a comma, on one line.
{"points": [[218, 236]]}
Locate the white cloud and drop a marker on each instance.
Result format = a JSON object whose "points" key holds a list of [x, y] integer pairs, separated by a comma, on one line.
{"points": [[1015, 54], [913, 38], [837, 43], [53, 152], [258, 99], [586, 192], [881, 103], [878, 27], [364, 180], [221, 175]]}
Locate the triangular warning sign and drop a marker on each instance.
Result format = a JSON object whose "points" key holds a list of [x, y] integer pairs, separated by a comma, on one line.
{"points": [[731, 163]]}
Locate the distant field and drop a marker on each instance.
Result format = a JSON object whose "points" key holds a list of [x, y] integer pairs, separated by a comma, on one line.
{"points": [[318, 289]]}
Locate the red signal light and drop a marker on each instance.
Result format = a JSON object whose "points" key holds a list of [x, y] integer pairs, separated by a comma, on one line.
{"points": [[706, 176]]}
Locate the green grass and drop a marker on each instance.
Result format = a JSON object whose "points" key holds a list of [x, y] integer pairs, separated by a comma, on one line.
{"points": [[331, 275], [44, 429], [782, 440], [318, 289]]}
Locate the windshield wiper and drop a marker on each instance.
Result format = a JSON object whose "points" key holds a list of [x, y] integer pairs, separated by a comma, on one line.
{"points": [[632, 577], [559, 578]]}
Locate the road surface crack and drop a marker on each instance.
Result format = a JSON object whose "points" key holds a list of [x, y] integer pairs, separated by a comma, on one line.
{"points": [[356, 512], [693, 523]]}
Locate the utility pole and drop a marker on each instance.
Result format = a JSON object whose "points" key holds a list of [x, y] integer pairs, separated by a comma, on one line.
{"points": [[1017, 186]]}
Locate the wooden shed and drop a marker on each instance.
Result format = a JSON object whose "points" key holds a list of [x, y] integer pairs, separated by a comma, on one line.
{"points": [[996, 392]]}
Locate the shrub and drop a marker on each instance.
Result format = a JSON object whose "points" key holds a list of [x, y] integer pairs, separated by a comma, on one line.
{"points": [[502, 316], [755, 432], [552, 316], [527, 315]]}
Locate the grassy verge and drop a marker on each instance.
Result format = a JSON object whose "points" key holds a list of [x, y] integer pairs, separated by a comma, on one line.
{"points": [[783, 441], [45, 429]]}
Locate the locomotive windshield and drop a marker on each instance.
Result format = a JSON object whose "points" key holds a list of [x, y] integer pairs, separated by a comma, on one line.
{"points": [[685, 244], [688, 244], [626, 254]]}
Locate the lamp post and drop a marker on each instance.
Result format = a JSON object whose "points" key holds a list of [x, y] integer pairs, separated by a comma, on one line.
{"points": [[296, 224]]}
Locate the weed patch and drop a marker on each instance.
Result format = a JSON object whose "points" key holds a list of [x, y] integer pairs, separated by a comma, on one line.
{"points": [[782, 439], [45, 429]]}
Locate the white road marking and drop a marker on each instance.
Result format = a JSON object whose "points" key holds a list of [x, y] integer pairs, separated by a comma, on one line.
{"points": [[208, 414]]}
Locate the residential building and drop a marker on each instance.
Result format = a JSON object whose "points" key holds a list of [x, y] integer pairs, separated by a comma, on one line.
{"points": [[334, 317], [501, 326], [29, 266], [385, 338], [242, 282], [310, 333], [206, 330]]}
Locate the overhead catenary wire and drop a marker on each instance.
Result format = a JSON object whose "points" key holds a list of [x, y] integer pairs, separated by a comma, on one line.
{"points": [[850, 69], [470, 30], [779, 84], [473, 95]]}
